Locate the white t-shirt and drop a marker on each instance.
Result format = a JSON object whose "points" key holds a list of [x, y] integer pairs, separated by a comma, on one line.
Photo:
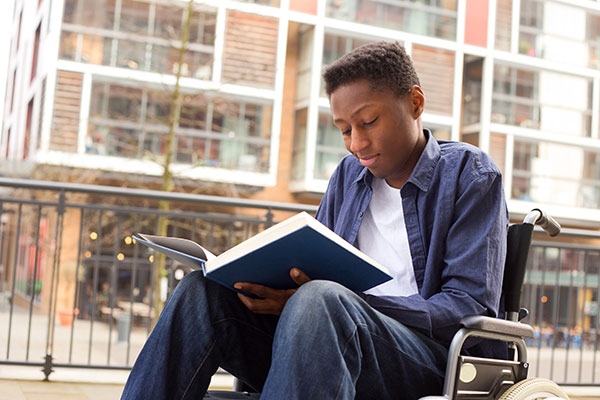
{"points": [[382, 236]]}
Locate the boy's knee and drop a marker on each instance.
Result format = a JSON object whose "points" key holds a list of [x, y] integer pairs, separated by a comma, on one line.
{"points": [[316, 295], [191, 281]]}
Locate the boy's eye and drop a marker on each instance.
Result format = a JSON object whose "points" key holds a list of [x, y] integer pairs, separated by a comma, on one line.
{"points": [[346, 131], [371, 121]]}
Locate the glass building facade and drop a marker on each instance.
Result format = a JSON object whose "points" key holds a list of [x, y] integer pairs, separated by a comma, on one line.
{"points": [[513, 77]]}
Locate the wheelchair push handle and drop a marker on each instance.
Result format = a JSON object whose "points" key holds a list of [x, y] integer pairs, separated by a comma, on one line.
{"points": [[545, 221], [518, 243]]}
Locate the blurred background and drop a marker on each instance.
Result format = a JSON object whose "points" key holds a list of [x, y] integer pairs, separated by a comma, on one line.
{"points": [[220, 105]]}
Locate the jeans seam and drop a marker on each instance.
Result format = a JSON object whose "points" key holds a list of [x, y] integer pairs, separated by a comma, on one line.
{"points": [[198, 369], [343, 353]]}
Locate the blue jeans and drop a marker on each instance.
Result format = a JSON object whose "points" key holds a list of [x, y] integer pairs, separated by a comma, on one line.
{"points": [[328, 343]]}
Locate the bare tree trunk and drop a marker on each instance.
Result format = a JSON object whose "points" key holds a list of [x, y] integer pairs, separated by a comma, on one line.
{"points": [[167, 178]]}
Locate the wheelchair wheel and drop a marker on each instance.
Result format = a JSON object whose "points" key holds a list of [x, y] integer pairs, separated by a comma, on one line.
{"points": [[533, 389]]}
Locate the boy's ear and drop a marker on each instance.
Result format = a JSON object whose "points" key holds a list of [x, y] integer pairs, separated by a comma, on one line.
{"points": [[417, 99]]}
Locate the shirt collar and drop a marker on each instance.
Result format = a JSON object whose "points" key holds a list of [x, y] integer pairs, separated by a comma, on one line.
{"points": [[422, 173]]}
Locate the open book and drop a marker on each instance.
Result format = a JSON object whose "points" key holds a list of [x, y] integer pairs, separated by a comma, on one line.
{"points": [[266, 258]]}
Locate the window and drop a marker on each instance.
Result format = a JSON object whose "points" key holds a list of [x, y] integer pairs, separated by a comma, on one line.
{"points": [[330, 147], [132, 122], [27, 138], [472, 82], [139, 35], [131, 54], [193, 112], [168, 22], [541, 176], [7, 144], [516, 97], [134, 17], [428, 17], [90, 13], [559, 32], [542, 100], [593, 39], [12, 95], [36, 48], [202, 28], [273, 3], [158, 109], [115, 102]]}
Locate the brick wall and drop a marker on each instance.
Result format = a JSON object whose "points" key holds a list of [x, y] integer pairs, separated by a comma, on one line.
{"points": [[65, 121], [436, 73], [250, 50]]}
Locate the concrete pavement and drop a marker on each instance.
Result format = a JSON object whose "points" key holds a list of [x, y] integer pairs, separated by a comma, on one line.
{"points": [[18, 389]]}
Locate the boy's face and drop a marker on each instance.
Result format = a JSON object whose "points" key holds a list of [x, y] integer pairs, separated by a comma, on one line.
{"points": [[381, 129]]}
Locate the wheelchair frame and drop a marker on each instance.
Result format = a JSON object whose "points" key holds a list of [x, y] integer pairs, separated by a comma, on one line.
{"points": [[485, 378]]}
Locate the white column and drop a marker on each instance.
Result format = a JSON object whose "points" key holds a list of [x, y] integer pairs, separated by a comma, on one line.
{"points": [[219, 44], [278, 100], [514, 27], [315, 85], [459, 57]]}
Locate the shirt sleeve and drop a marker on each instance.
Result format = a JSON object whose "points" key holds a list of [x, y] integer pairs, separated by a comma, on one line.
{"points": [[470, 274]]}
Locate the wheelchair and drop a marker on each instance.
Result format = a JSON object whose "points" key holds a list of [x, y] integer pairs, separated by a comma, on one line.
{"points": [[477, 378]]}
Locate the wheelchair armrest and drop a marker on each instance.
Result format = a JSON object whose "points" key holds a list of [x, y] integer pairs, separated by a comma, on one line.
{"points": [[489, 324]]}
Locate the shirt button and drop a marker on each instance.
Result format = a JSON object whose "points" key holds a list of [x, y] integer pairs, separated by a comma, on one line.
{"points": [[360, 214]]}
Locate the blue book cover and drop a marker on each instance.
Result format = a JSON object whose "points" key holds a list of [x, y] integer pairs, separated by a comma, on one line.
{"points": [[266, 258]]}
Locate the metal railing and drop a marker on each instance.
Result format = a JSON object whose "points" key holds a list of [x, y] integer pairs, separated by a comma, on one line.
{"points": [[561, 292], [75, 291]]}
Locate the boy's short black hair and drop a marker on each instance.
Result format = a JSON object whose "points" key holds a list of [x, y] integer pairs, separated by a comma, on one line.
{"points": [[384, 64]]}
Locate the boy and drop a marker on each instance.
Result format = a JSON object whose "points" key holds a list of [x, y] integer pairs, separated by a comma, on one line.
{"points": [[432, 212]]}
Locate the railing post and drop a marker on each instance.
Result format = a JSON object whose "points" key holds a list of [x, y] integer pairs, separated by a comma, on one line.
{"points": [[268, 218], [47, 366], [60, 211]]}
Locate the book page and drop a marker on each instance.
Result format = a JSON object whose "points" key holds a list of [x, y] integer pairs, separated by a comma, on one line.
{"points": [[181, 245]]}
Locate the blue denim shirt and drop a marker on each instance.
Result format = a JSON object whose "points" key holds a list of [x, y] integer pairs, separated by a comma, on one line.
{"points": [[456, 221]]}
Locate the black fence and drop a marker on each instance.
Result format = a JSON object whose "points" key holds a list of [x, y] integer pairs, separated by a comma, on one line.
{"points": [[76, 292]]}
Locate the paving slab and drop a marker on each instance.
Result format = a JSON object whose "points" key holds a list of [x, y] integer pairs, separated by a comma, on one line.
{"points": [[10, 390]]}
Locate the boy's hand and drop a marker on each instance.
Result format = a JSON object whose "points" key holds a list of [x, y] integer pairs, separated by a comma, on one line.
{"points": [[271, 300]]}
